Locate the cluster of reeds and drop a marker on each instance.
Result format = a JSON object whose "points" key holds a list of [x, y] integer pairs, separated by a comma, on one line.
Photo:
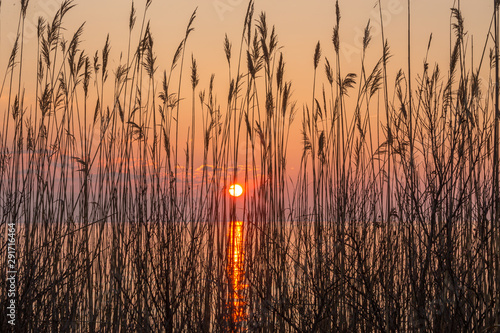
{"points": [[390, 225]]}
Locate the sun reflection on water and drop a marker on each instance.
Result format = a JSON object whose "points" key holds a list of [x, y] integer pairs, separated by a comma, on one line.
{"points": [[236, 275]]}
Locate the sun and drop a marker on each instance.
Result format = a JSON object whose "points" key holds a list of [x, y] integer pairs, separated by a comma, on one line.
{"points": [[235, 190]]}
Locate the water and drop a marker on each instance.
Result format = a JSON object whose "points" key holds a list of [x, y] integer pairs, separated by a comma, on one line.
{"points": [[236, 274]]}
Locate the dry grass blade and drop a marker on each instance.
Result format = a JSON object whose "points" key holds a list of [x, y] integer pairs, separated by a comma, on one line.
{"points": [[376, 212]]}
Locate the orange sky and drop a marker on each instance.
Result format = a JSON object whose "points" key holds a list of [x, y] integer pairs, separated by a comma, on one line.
{"points": [[300, 25]]}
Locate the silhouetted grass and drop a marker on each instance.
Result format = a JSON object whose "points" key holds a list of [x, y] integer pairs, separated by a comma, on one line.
{"points": [[389, 226]]}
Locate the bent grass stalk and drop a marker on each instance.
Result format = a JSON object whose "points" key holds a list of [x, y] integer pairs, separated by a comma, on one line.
{"points": [[396, 234]]}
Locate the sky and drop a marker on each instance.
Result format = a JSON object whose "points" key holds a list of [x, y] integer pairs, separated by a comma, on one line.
{"points": [[299, 25]]}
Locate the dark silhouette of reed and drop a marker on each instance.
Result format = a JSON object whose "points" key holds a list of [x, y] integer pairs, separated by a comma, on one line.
{"points": [[389, 227]]}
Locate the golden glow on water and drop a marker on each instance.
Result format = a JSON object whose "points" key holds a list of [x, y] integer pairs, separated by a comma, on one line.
{"points": [[236, 274]]}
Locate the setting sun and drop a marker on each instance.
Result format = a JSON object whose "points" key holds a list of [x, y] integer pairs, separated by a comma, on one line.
{"points": [[235, 190]]}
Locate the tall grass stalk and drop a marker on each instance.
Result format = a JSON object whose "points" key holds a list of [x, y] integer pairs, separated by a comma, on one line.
{"points": [[387, 226]]}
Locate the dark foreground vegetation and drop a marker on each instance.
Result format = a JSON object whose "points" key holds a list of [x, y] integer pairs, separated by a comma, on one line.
{"points": [[390, 226]]}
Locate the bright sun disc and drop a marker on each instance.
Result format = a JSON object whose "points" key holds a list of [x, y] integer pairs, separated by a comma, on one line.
{"points": [[235, 190]]}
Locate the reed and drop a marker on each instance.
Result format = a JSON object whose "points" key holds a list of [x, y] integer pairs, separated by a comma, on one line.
{"points": [[388, 226]]}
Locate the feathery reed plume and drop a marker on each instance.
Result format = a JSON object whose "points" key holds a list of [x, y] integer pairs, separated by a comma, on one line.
{"points": [[227, 49], [368, 234]]}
